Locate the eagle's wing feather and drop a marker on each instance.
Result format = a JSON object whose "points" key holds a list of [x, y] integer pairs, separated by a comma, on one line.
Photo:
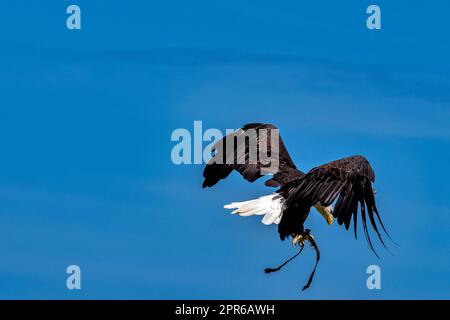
{"points": [[349, 181], [221, 165]]}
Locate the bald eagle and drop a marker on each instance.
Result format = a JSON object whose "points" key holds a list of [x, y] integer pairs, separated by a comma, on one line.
{"points": [[336, 189]]}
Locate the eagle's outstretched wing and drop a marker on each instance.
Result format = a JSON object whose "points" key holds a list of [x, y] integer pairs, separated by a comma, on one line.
{"points": [[349, 181], [222, 164]]}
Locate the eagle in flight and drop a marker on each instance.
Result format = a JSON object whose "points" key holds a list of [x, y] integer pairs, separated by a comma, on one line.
{"points": [[345, 184]]}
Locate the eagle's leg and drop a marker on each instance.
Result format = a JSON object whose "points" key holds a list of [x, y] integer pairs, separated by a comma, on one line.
{"points": [[310, 238], [300, 239], [305, 236]]}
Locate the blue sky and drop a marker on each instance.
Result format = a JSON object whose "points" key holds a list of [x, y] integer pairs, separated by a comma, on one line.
{"points": [[86, 118]]}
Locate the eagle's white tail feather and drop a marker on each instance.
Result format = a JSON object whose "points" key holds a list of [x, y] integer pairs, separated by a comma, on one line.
{"points": [[270, 206]]}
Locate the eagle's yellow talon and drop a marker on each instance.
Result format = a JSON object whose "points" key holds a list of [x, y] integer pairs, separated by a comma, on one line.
{"points": [[298, 239]]}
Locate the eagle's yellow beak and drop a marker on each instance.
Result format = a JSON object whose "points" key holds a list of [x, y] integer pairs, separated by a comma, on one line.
{"points": [[329, 218], [326, 212]]}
